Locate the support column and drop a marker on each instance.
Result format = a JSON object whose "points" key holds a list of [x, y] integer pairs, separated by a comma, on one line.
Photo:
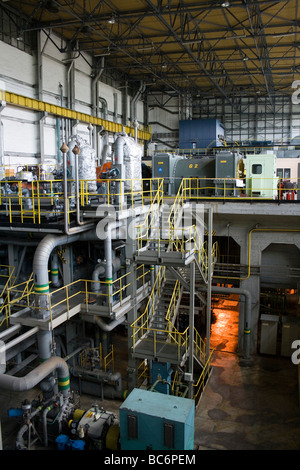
{"points": [[39, 79], [132, 314], [209, 277], [251, 284], [191, 328], [125, 104]]}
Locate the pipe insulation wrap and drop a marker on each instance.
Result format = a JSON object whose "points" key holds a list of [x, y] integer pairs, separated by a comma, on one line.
{"points": [[128, 154], [33, 378], [86, 161], [41, 258]]}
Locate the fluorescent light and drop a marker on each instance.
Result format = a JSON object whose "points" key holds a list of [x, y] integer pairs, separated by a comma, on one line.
{"points": [[192, 42], [283, 35], [145, 48], [236, 37]]}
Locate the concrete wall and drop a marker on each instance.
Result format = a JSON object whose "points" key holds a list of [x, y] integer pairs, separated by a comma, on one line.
{"points": [[269, 239]]}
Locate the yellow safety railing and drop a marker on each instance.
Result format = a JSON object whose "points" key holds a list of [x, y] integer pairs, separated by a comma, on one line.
{"points": [[175, 298], [32, 200], [198, 387], [199, 347], [15, 293], [149, 230], [36, 199], [108, 360], [93, 357], [121, 192], [253, 188], [143, 373], [178, 388], [141, 327], [8, 279], [143, 321], [110, 294]]}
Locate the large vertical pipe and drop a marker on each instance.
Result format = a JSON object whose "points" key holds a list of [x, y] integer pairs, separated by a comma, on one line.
{"points": [[119, 160], [54, 270], [44, 338]]}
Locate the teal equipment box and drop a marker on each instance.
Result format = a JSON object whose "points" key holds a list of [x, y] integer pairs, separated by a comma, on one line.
{"points": [[156, 421]]}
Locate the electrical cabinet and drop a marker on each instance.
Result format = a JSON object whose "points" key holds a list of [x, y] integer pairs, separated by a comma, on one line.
{"points": [[153, 420], [261, 179], [290, 333], [268, 334]]}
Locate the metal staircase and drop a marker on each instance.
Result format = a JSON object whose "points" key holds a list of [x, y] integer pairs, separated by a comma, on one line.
{"points": [[174, 249]]}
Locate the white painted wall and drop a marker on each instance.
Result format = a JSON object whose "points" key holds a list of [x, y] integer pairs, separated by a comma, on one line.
{"points": [[18, 74], [291, 163], [17, 70]]}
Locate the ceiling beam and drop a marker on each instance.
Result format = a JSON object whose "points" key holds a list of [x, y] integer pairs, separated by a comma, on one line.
{"points": [[188, 50]]}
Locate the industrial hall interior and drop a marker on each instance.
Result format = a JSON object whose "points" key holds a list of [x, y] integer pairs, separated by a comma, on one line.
{"points": [[149, 226]]}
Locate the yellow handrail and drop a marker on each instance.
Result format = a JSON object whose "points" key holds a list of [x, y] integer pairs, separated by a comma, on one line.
{"points": [[96, 354], [198, 387], [8, 302], [78, 289], [138, 325]]}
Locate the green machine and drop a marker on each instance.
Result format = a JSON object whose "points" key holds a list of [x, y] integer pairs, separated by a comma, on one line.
{"points": [[261, 180]]}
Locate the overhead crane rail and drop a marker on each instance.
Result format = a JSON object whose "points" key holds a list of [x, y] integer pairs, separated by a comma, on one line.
{"points": [[36, 105]]}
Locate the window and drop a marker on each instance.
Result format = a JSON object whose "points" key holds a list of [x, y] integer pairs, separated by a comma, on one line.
{"points": [[280, 172], [257, 169], [287, 173]]}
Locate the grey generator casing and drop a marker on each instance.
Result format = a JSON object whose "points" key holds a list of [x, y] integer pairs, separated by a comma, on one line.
{"points": [[226, 173], [202, 168], [173, 168], [163, 166]]}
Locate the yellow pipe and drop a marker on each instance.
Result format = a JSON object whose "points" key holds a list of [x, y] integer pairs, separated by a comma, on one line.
{"points": [[249, 249]]}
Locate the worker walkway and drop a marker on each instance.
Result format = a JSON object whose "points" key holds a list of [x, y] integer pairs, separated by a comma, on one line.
{"points": [[77, 297]]}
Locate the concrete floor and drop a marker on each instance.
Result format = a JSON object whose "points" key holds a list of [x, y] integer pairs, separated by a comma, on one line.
{"points": [[246, 407], [243, 407]]}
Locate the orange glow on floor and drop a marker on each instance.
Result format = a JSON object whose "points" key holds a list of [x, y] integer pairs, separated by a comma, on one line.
{"points": [[225, 323]]}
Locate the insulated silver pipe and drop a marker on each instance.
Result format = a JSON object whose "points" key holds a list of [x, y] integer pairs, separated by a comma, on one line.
{"points": [[10, 331], [21, 338], [22, 384], [40, 269], [108, 326], [54, 270], [98, 271], [85, 226]]}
